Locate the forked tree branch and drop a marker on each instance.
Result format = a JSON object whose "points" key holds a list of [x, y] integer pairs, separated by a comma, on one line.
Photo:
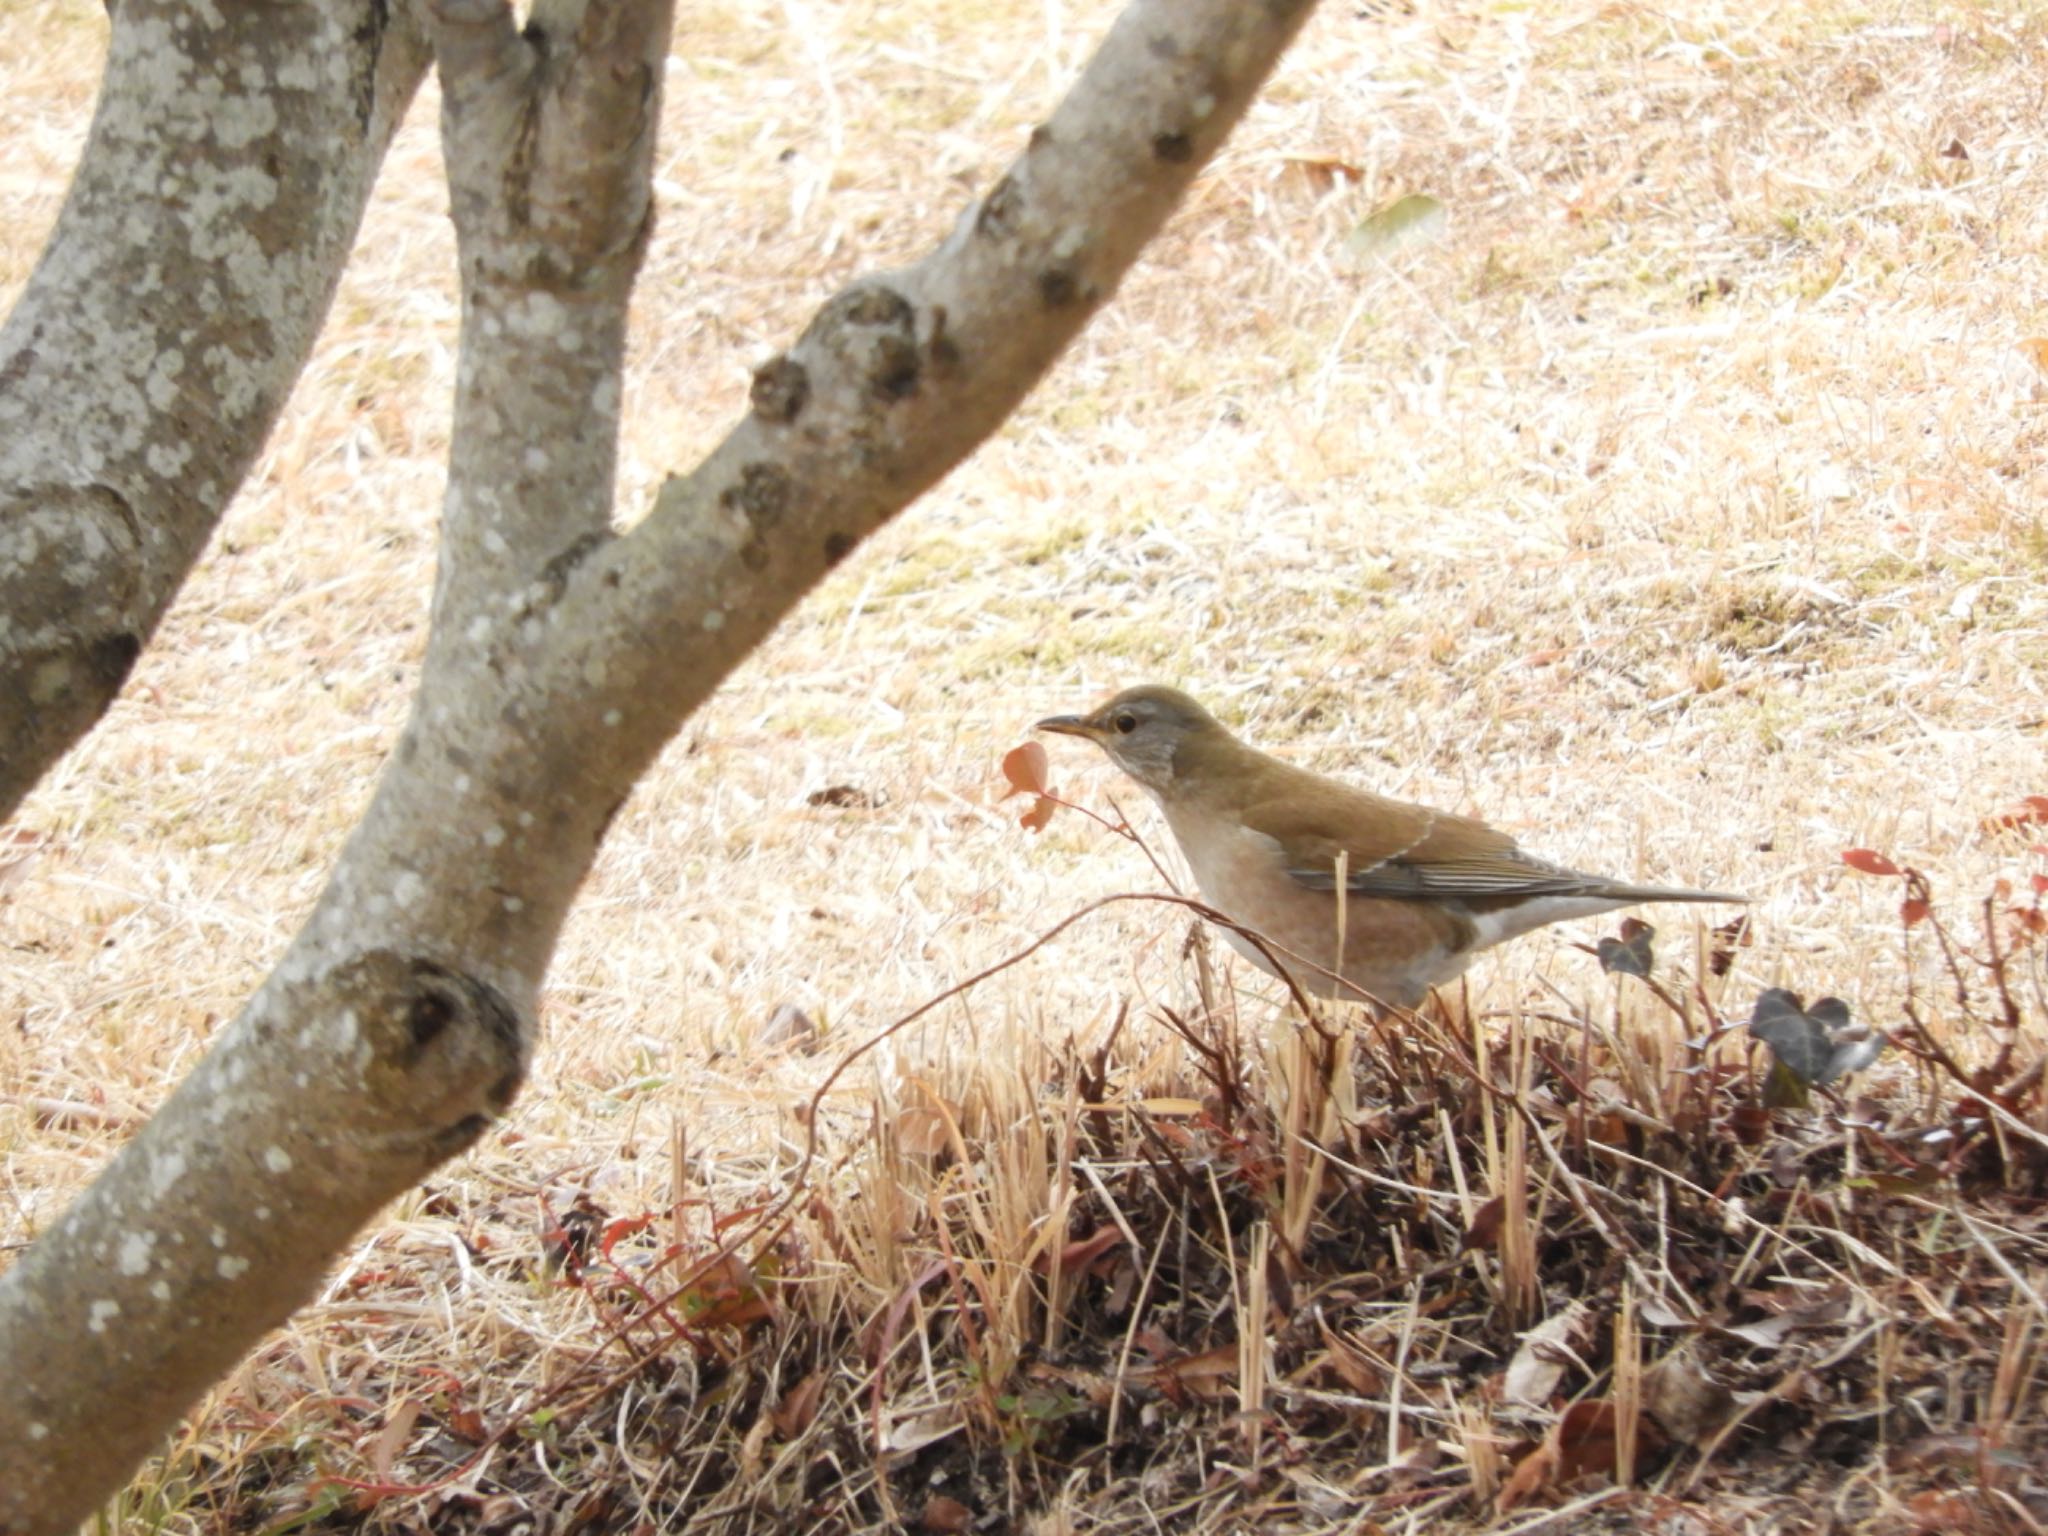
{"points": [[561, 658]]}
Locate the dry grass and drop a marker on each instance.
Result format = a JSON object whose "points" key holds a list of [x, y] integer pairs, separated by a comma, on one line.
{"points": [[1680, 509]]}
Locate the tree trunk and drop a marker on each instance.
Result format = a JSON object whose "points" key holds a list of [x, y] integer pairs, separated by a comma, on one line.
{"points": [[562, 657]]}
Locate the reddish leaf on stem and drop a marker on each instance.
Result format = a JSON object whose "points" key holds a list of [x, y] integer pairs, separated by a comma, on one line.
{"points": [[622, 1227], [1913, 910], [2028, 810], [1024, 767], [1869, 861]]}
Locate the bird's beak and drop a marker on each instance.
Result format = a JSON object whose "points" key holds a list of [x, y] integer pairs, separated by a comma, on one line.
{"points": [[1067, 725]]}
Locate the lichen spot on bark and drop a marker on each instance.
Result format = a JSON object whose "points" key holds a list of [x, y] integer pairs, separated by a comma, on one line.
{"points": [[537, 315], [165, 1169]]}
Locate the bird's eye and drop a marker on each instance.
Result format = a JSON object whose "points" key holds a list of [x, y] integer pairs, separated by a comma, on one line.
{"points": [[1125, 723]]}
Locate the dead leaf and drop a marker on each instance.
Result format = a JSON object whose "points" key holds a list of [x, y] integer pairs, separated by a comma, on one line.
{"points": [[726, 1293], [945, 1516], [915, 1431], [2029, 809], [1485, 1229], [1357, 1372], [1585, 1439], [14, 871], [392, 1437], [1208, 1375], [1728, 938], [1536, 1471], [799, 1406], [788, 1028], [1869, 861], [1545, 1353], [1688, 1404], [1414, 219], [1025, 768], [1324, 172], [754, 1447], [847, 797], [922, 1132], [1771, 1331], [1171, 1108], [1078, 1255], [1657, 1315]]}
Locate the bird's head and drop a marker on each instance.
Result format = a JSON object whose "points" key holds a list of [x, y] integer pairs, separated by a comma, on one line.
{"points": [[1144, 730]]}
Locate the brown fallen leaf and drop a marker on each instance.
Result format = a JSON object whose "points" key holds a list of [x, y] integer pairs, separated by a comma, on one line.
{"points": [[1545, 1353], [1485, 1229], [1688, 1404], [799, 1406], [945, 1516]]}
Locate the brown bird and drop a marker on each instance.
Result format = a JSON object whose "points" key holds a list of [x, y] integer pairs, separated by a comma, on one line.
{"points": [[1424, 891]]}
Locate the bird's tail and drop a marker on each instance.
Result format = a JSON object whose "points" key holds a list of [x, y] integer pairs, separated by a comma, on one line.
{"points": [[1668, 893]]}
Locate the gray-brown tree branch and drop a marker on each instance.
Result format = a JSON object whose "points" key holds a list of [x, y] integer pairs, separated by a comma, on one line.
{"points": [[230, 156]]}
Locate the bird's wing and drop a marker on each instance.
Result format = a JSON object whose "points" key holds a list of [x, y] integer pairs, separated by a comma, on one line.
{"points": [[1395, 849]]}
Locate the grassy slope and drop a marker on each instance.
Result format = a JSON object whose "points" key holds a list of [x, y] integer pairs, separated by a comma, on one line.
{"points": [[1679, 510]]}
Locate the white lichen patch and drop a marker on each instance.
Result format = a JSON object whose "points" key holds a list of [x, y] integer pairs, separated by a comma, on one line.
{"points": [[167, 460], [231, 1267], [537, 315], [162, 384], [165, 1169], [407, 889], [136, 1250], [276, 1159], [102, 1313]]}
